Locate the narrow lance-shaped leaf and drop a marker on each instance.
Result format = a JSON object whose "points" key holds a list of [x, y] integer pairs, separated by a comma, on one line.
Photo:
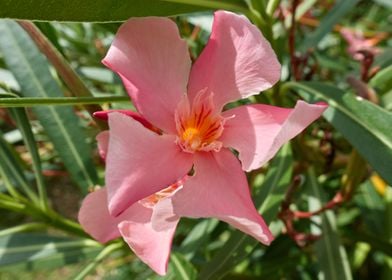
{"points": [[12, 171], [181, 267], [65, 71], [331, 255], [32, 73], [37, 251], [365, 125], [198, 236], [109, 11], [21, 119], [372, 207], [268, 202]]}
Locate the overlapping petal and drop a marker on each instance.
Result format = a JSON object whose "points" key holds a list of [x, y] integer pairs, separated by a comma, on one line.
{"points": [[258, 131], [140, 162], [134, 225], [154, 64], [219, 189], [236, 63], [151, 243], [96, 220]]}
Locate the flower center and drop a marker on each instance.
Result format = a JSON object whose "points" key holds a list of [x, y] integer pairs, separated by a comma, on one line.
{"points": [[198, 125], [192, 135]]}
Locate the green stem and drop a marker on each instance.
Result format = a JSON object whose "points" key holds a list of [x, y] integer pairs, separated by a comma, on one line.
{"points": [[22, 228], [48, 217], [58, 101], [12, 205]]}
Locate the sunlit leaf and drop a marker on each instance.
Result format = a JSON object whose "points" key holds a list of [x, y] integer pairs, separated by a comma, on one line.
{"points": [[34, 251]]}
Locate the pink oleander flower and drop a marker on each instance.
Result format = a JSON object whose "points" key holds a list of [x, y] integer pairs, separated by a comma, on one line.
{"points": [[357, 43], [181, 136]]}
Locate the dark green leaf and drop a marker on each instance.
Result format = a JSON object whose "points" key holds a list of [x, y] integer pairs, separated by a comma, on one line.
{"points": [[32, 73], [268, 202], [366, 125], [106, 11]]}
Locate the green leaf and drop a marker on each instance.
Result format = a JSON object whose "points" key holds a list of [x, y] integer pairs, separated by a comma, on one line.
{"points": [[35, 251], [365, 125], [108, 11], [32, 73], [268, 201], [372, 207], [12, 171], [382, 81], [331, 255], [198, 236], [339, 10], [181, 267], [21, 119]]}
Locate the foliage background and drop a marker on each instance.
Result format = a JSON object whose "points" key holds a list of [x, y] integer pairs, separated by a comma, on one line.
{"points": [[341, 164]]}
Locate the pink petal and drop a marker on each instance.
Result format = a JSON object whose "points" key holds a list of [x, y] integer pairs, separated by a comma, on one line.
{"points": [[103, 143], [154, 65], [258, 131], [134, 225], [151, 244], [236, 63], [96, 220], [140, 162], [219, 189]]}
